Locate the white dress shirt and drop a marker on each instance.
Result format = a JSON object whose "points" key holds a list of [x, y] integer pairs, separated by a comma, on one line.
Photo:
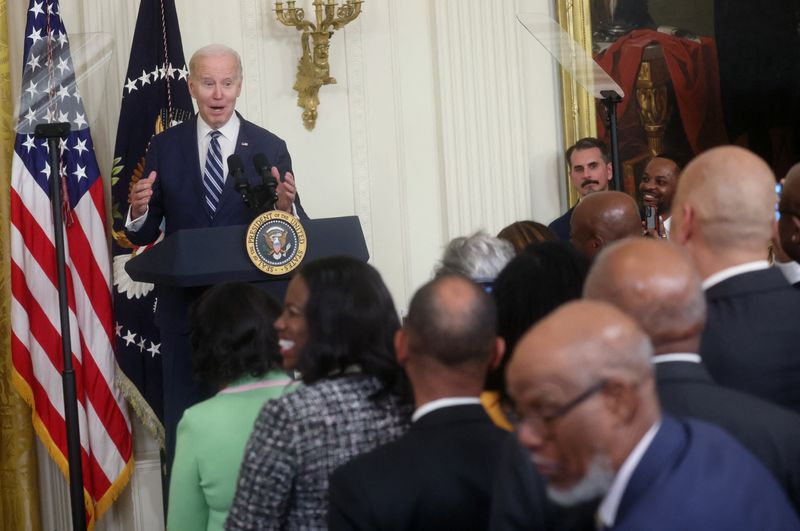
{"points": [[433, 405], [607, 512], [791, 270]]}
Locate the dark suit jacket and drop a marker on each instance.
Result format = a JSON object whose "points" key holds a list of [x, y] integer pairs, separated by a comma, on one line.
{"points": [[770, 432], [561, 225], [695, 477], [751, 340], [437, 476]]}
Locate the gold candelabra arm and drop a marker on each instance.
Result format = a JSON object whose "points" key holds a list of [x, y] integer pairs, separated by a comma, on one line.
{"points": [[293, 16], [347, 12]]}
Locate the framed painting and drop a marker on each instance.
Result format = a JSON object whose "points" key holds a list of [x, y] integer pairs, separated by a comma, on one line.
{"points": [[696, 74]]}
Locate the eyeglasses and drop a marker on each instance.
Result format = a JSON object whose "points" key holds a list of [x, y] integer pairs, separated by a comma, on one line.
{"points": [[542, 424]]}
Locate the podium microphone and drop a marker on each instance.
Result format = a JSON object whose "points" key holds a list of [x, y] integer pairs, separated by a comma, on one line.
{"points": [[236, 170], [263, 167]]}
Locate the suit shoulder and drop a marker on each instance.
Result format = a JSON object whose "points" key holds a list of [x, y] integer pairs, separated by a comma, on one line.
{"points": [[254, 130], [176, 131]]}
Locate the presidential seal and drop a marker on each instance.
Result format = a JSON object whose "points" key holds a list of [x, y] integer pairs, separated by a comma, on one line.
{"points": [[276, 242]]}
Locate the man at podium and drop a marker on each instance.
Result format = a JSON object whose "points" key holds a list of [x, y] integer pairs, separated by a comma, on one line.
{"points": [[188, 186]]}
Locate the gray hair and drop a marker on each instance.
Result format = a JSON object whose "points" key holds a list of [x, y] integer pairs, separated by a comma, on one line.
{"points": [[215, 50], [478, 257]]}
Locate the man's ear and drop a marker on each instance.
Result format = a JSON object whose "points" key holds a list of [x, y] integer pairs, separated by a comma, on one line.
{"points": [[401, 347], [497, 355], [622, 399], [796, 232], [685, 229]]}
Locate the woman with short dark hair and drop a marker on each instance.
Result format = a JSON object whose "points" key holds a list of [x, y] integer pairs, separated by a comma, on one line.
{"points": [[337, 330], [235, 350]]}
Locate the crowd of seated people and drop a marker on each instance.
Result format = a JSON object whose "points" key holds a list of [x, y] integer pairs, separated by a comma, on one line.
{"points": [[619, 378]]}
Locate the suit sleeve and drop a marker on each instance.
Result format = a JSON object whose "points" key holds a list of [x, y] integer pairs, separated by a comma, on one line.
{"points": [[151, 228], [347, 502], [283, 161], [268, 472], [188, 509]]}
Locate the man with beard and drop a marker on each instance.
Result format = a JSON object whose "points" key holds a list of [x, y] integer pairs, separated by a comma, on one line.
{"points": [[590, 419], [589, 171], [657, 187]]}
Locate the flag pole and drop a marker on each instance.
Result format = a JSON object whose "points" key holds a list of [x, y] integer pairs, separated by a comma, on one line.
{"points": [[53, 132]]}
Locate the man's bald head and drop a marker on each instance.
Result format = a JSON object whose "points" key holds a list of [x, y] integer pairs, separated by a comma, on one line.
{"points": [[603, 217], [654, 282], [789, 224], [725, 202], [582, 383], [579, 342]]}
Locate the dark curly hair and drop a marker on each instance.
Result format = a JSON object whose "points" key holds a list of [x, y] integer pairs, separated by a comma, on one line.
{"points": [[351, 322], [541, 278], [233, 334]]}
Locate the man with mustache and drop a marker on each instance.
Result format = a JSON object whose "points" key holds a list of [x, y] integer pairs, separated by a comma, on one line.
{"points": [[657, 187], [582, 383], [589, 171]]}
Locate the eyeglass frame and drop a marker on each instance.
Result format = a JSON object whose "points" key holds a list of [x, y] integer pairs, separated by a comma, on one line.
{"points": [[546, 421]]}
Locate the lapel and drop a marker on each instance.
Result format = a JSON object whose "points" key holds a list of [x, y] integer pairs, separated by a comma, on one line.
{"points": [[191, 162], [660, 457], [244, 148]]}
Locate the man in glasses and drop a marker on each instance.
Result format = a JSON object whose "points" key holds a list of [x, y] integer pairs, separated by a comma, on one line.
{"points": [[656, 284], [590, 419]]}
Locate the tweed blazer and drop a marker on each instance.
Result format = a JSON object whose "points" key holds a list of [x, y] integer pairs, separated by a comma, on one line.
{"points": [[299, 440]]}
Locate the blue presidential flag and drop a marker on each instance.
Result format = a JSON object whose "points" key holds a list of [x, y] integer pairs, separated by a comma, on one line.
{"points": [[155, 96]]}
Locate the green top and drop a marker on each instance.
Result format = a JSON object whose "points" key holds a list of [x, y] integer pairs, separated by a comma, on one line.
{"points": [[210, 443]]}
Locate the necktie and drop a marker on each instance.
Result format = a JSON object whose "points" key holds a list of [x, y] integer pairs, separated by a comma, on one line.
{"points": [[212, 176]]}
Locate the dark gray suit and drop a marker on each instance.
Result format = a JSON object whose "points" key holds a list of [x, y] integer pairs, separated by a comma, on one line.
{"points": [[437, 476], [770, 432], [751, 340]]}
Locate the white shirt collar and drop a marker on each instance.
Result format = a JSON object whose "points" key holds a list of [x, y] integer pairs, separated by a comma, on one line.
{"points": [[729, 272], [230, 130], [667, 223], [428, 407], [791, 270], [607, 513], [676, 356]]}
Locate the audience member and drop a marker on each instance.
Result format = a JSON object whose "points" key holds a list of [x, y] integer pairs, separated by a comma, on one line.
{"points": [[479, 257], [656, 284], [789, 226], [724, 215], [533, 284], [589, 416], [235, 350], [523, 233], [336, 330], [657, 188], [602, 218], [438, 475], [590, 170]]}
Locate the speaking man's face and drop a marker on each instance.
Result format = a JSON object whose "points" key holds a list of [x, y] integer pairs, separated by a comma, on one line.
{"points": [[215, 84]]}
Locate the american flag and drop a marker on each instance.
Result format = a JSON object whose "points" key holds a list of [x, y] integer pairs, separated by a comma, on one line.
{"points": [[50, 94]]}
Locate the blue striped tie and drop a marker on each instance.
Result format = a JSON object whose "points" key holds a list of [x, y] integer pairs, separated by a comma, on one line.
{"points": [[212, 176]]}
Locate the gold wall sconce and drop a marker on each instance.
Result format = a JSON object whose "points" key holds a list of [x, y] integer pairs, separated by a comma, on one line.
{"points": [[313, 71]]}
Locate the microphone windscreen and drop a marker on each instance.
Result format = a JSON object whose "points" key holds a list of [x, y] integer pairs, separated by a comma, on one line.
{"points": [[235, 164], [261, 162]]}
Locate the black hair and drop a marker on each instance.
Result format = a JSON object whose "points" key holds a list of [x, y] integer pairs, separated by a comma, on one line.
{"points": [[351, 323], [680, 159], [523, 233], [233, 334], [588, 143], [542, 277]]}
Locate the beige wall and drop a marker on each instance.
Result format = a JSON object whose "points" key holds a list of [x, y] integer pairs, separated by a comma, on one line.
{"points": [[444, 121]]}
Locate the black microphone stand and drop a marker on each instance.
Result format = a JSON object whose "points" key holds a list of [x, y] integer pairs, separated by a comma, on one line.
{"points": [[53, 132], [610, 100]]}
